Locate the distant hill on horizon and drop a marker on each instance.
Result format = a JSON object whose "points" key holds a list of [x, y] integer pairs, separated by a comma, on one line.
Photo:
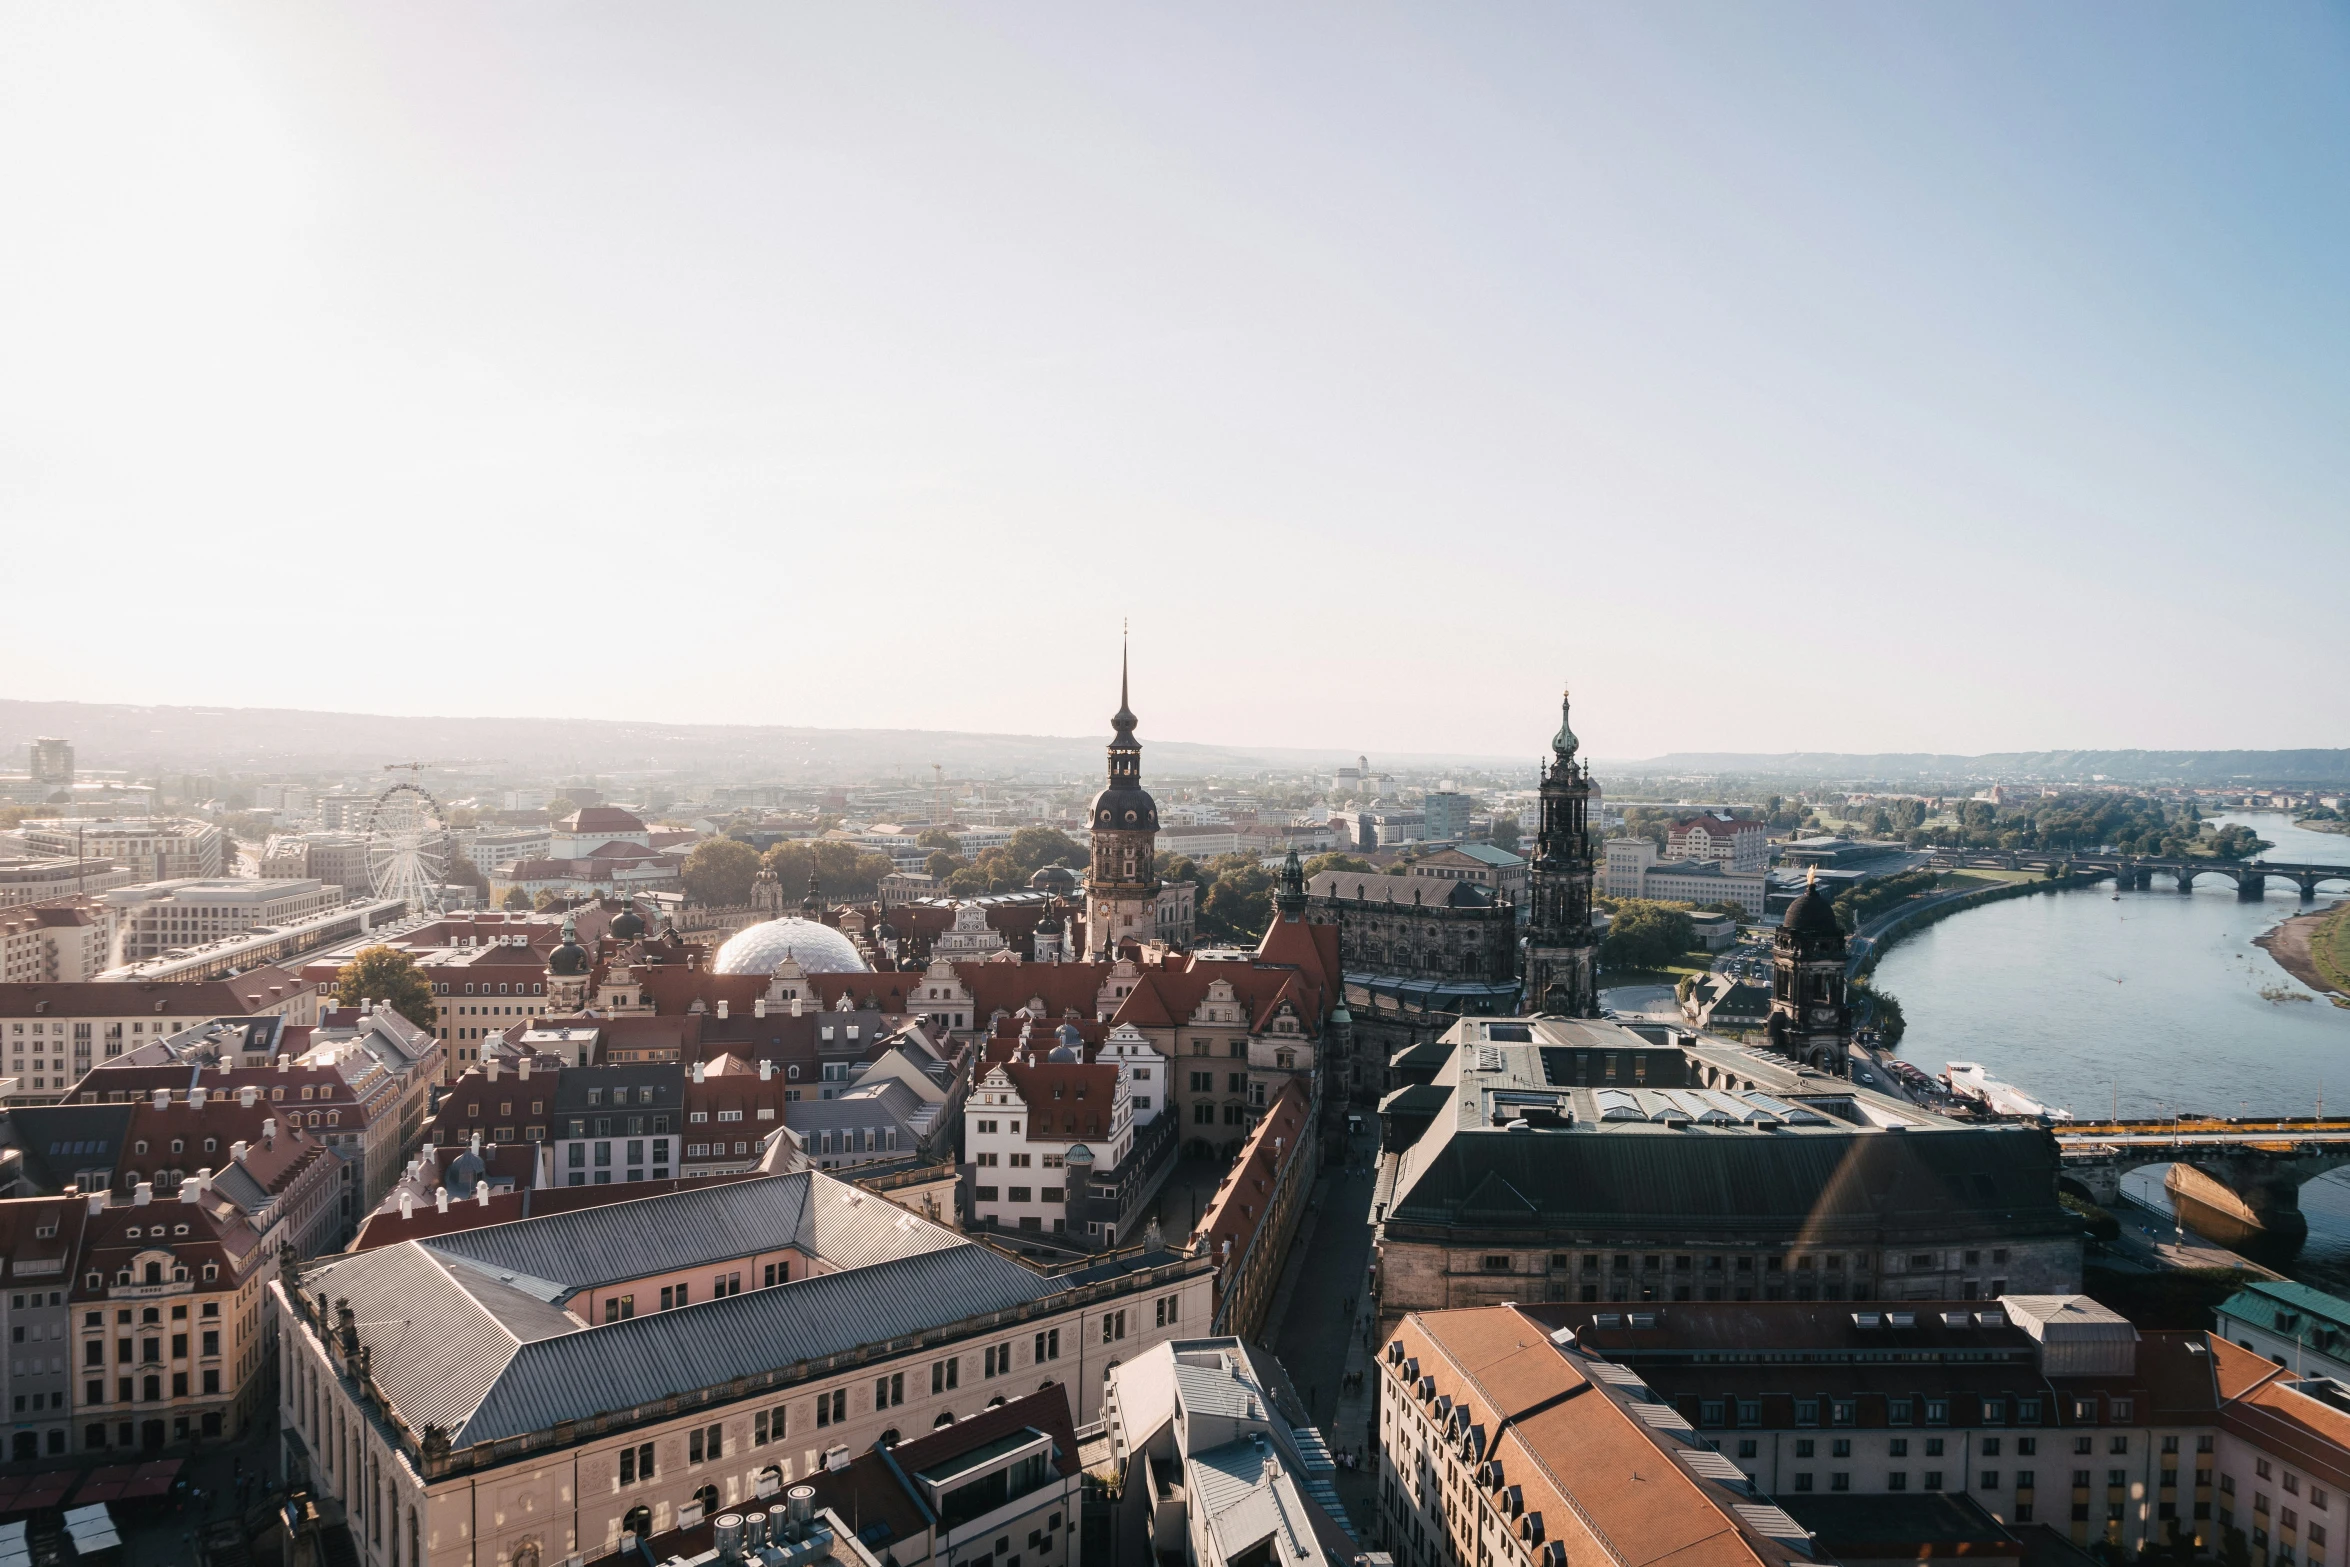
{"points": [[292, 740], [2204, 769], [296, 741]]}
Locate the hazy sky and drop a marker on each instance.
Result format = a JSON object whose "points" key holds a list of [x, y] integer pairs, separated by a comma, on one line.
{"points": [[1857, 377]]}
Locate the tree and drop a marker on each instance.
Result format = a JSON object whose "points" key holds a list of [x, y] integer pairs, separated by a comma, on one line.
{"points": [[1645, 935], [719, 871], [517, 898], [2234, 1550], [381, 973], [463, 872], [1505, 832], [1884, 1012], [938, 838], [1033, 848], [842, 869], [942, 865], [1338, 862], [1237, 904], [550, 900]]}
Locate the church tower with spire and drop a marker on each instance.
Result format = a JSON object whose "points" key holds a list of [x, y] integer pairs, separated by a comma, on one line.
{"points": [[1122, 889], [1562, 948]]}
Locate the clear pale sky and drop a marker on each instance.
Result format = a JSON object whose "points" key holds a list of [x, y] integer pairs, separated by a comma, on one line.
{"points": [[1856, 377]]}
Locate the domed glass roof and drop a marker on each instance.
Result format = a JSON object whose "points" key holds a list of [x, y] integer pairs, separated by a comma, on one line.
{"points": [[818, 949]]}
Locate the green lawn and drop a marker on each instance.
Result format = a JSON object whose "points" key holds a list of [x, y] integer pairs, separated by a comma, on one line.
{"points": [[2329, 948]]}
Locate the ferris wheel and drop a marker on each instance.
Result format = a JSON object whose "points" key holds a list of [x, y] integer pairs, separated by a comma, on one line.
{"points": [[406, 847]]}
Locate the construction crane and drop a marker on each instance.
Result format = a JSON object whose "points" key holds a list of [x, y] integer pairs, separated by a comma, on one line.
{"points": [[413, 769]]}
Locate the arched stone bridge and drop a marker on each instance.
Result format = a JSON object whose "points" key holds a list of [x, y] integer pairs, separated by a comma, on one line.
{"points": [[2138, 871], [2256, 1169]]}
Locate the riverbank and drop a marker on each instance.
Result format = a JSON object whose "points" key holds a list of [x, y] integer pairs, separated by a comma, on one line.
{"points": [[1878, 937], [2314, 949]]}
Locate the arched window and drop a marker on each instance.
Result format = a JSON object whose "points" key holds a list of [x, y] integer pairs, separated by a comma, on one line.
{"points": [[707, 1496], [638, 1523], [946, 1417]]}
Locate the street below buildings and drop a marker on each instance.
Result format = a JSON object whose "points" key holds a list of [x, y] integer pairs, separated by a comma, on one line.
{"points": [[1322, 1316]]}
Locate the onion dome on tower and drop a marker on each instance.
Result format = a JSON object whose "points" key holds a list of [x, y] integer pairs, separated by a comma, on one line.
{"points": [[570, 960], [628, 924], [1809, 925]]}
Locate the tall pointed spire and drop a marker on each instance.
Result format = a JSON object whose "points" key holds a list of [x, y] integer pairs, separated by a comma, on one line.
{"points": [[1123, 720]]}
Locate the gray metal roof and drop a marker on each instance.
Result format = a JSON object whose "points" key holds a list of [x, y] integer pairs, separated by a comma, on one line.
{"points": [[702, 1224], [645, 1359], [466, 1333], [439, 1341]]}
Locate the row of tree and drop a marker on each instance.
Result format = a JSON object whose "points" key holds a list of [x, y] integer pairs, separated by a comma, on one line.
{"points": [[2077, 823]]}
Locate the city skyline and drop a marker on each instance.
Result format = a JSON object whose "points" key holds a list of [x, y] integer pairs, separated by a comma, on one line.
{"points": [[1938, 368]]}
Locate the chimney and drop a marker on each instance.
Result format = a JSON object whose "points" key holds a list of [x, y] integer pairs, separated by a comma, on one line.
{"points": [[722, 1009], [196, 1097], [285, 1064], [698, 1067], [522, 1069], [269, 1132], [490, 1069], [482, 1191], [759, 1007], [97, 1204], [236, 1151], [766, 1070], [440, 1200], [795, 1003], [142, 1194], [162, 1098], [246, 1095], [407, 1203]]}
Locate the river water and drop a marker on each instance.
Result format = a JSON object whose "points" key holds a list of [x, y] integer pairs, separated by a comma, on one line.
{"points": [[2150, 1004]]}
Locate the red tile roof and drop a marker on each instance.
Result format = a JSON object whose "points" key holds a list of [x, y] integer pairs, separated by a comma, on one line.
{"points": [[1240, 1204]]}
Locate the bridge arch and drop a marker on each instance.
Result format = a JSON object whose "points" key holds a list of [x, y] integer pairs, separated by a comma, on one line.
{"points": [[2241, 1188]]}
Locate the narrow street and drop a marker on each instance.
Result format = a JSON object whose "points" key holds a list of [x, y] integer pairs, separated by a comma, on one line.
{"points": [[1323, 1312]]}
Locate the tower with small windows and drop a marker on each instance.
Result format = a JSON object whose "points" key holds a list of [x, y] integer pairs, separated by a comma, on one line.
{"points": [[1122, 888]]}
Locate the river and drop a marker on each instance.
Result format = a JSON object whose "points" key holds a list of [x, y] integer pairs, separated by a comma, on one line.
{"points": [[2150, 1004]]}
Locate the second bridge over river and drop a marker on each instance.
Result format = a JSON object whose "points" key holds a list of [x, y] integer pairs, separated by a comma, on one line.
{"points": [[2244, 1177]]}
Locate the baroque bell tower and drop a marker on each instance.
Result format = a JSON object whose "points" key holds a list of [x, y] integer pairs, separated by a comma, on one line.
{"points": [[1811, 1011], [1122, 888], [1562, 949]]}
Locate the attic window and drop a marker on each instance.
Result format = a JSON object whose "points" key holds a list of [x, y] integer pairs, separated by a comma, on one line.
{"points": [[179, 1229]]}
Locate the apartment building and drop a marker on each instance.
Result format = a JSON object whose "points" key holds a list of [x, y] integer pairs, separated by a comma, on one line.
{"points": [[67, 940], [47, 880], [160, 848], [56, 1031], [1632, 868], [1720, 838], [39, 1238], [162, 916], [672, 1358]]}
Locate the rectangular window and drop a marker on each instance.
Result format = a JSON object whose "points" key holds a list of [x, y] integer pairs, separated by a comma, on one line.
{"points": [[1990, 1480], [1113, 1326], [1166, 1310], [1048, 1345], [946, 1375], [889, 1391]]}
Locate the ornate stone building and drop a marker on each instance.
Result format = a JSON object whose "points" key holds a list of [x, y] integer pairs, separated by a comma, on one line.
{"points": [[1122, 892], [1562, 948], [1811, 1019]]}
